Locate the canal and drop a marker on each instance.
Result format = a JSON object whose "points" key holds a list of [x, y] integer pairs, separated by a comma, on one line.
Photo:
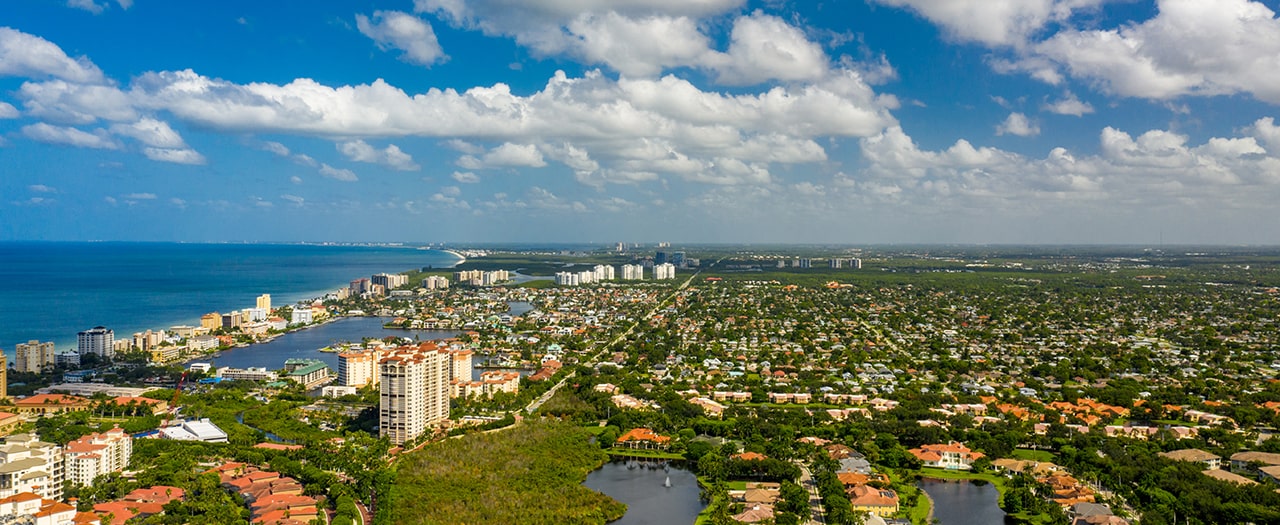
{"points": [[307, 343], [642, 485], [963, 502]]}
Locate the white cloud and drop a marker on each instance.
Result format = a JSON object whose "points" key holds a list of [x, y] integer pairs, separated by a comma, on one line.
{"points": [[8, 111], [405, 32], [295, 179], [139, 196], [465, 177], [391, 156], [764, 47], [151, 132], [76, 103], [994, 22], [125, 4], [174, 155], [43, 132], [276, 147], [1190, 47], [638, 47], [87, 5], [41, 188], [25, 55], [180, 203], [340, 174], [507, 155], [1018, 124], [296, 200], [1069, 105]]}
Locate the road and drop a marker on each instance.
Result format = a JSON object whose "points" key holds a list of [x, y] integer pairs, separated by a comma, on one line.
{"points": [[537, 403], [816, 514]]}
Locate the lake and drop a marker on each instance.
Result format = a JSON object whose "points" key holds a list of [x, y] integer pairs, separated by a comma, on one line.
{"points": [[963, 502], [649, 501]]}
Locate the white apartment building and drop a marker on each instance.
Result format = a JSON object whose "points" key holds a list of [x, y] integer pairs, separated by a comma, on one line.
{"points": [[301, 315], [632, 272], [664, 271], [33, 356], [97, 454], [460, 367], [358, 369], [603, 272], [97, 340], [435, 282], [30, 465], [414, 391]]}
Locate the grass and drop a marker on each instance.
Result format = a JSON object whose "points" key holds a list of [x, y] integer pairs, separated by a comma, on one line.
{"points": [[919, 513], [1034, 455]]}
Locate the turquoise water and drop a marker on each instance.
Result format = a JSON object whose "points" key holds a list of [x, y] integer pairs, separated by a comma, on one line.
{"points": [[49, 291]]}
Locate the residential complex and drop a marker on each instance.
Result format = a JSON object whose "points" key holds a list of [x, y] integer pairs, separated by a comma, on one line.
{"points": [[97, 454], [358, 369], [33, 356], [30, 465], [664, 271], [98, 340], [414, 391]]}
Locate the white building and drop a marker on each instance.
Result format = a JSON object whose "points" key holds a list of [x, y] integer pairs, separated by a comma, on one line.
{"points": [[358, 369], [28, 508], [603, 273], [337, 391], [255, 315], [33, 356], [435, 282], [664, 271], [414, 391], [97, 454], [632, 272], [460, 365], [195, 430], [301, 315], [255, 373], [97, 340]]}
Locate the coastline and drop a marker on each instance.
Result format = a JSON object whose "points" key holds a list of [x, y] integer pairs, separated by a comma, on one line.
{"points": [[185, 315]]}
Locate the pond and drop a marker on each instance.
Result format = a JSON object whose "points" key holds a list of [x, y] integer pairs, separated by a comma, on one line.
{"points": [[642, 485], [962, 502]]}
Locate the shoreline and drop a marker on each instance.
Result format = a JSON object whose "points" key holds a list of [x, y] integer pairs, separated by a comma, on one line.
{"points": [[286, 299]]}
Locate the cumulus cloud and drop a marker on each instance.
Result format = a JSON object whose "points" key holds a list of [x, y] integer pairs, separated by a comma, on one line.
{"points": [[25, 55], [87, 5], [339, 174], [41, 188], [296, 200], [151, 132], [764, 47], [1189, 48], [76, 103], [43, 132], [405, 32], [1069, 105], [8, 111], [1018, 124], [507, 155], [465, 177], [391, 156], [144, 196], [174, 155], [994, 22]]}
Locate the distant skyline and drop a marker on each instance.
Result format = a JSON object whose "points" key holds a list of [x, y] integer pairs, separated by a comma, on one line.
{"points": [[714, 121]]}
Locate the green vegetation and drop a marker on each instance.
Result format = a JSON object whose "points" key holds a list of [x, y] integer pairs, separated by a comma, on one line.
{"points": [[531, 474]]}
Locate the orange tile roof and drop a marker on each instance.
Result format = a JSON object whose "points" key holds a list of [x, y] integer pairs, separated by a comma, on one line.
{"points": [[643, 434]]}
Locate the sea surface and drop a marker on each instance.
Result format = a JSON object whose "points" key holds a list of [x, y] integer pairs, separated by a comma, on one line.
{"points": [[51, 290]]}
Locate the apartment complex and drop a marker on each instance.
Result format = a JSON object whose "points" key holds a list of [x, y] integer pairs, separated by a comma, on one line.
{"points": [[30, 465], [97, 340], [358, 369], [664, 271], [33, 356], [435, 282], [632, 272], [97, 454], [414, 391]]}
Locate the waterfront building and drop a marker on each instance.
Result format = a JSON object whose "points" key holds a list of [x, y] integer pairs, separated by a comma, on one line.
{"points": [[414, 391], [390, 281], [97, 454], [359, 286], [358, 369], [664, 271], [435, 282], [256, 373], [97, 340], [460, 365], [256, 315], [278, 324], [30, 465], [201, 343], [951, 456], [33, 356], [185, 332], [301, 315], [264, 302], [211, 321], [632, 272], [306, 372], [145, 341]]}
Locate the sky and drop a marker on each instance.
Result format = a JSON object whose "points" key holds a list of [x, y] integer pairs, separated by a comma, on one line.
{"points": [[710, 121]]}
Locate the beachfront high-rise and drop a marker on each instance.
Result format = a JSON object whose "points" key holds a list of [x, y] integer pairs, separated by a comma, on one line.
{"points": [[414, 391], [98, 340], [33, 356], [264, 302]]}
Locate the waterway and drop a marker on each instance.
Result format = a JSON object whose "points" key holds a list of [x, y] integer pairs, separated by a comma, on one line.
{"points": [[307, 343], [642, 488], [964, 502]]}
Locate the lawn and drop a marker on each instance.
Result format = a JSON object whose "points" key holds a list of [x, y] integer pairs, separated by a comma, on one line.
{"points": [[1034, 455], [634, 453]]}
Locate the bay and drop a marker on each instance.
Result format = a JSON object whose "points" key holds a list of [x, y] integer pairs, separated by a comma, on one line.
{"points": [[51, 290]]}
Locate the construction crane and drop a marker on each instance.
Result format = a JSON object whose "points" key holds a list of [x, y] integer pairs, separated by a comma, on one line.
{"points": [[173, 403]]}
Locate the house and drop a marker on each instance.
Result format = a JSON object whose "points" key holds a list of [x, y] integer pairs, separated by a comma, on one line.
{"points": [[755, 514], [1093, 514], [643, 438], [1229, 477], [1194, 455], [1244, 461], [951, 456], [865, 498], [708, 406]]}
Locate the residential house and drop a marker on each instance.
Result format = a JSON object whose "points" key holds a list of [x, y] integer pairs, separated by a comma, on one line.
{"points": [[951, 456]]}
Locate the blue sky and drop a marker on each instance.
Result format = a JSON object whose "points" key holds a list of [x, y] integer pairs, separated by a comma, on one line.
{"points": [[855, 121]]}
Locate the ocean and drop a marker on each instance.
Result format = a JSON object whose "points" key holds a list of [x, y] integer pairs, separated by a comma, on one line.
{"points": [[51, 290]]}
